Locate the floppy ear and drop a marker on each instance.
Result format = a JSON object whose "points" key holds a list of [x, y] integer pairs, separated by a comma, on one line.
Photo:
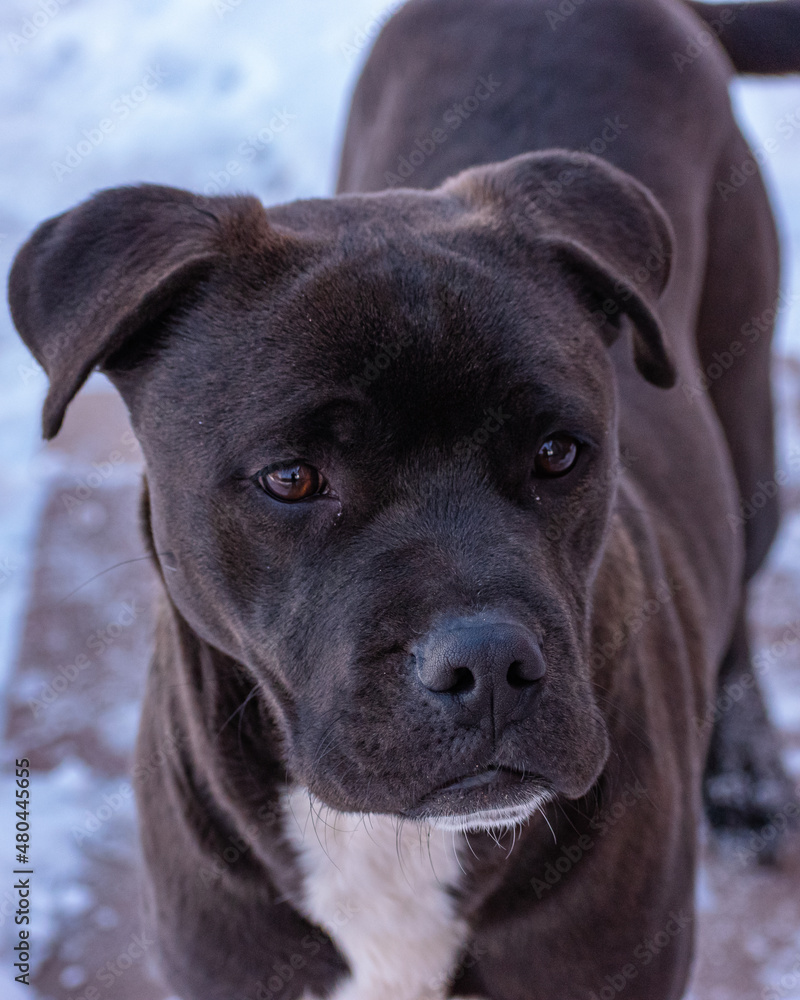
{"points": [[90, 280], [599, 222]]}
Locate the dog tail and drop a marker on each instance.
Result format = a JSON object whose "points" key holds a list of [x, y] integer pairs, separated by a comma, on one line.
{"points": [[759, 37]]}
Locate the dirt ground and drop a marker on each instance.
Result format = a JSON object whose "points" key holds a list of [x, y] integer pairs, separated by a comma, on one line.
{"points": [[74, 706]]}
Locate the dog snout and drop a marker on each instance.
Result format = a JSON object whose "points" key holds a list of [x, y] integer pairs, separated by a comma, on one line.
{"points": [[483, 666]]}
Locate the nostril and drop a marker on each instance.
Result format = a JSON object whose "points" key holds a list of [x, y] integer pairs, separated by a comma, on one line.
{"points": [[463, 681], [516, 676], [438, 673], [472, 659]]}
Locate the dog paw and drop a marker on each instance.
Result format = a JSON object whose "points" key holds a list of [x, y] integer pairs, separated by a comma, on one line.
{"points": [[746, 788]]}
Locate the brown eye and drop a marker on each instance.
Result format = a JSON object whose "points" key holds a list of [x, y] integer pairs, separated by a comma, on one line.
{"points": [[556, 456], [291, 482]]}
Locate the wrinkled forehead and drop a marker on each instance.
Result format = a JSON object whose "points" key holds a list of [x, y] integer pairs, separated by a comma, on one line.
{"points": [[429, 320], [422, 337]]}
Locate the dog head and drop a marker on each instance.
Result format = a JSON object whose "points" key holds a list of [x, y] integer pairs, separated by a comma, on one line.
{"points": [[362, 418]]}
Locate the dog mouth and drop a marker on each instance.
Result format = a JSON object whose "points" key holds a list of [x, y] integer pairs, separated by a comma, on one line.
{"points": [[497, 797]]}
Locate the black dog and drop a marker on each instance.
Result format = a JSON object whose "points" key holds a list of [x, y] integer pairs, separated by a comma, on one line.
{"points": [[447, 562]]}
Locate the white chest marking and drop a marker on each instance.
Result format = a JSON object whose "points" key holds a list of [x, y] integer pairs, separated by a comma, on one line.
{"points": [[382, 897]]}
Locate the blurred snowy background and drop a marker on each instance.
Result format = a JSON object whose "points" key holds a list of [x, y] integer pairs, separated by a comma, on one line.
{"points": [[221, 96]]}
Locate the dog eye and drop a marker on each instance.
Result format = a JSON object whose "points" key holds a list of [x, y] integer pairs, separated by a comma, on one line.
{"points": [[291, 482], [556, 456]]}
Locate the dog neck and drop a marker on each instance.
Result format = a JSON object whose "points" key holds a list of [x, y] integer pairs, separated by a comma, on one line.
{"points": [[384, 891]]}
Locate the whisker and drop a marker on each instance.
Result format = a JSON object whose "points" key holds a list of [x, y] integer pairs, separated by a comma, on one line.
{"points": [[124, 562], [455, 851], [469, 845], [398, 846], [314, 818], [540, 810], [233, 715]]}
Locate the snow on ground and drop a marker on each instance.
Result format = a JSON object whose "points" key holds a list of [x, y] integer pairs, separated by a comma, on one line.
{"points": [[222, 96]]}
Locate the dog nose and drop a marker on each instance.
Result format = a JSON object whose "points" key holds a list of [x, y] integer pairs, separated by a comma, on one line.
{"points": [[486, 664]]}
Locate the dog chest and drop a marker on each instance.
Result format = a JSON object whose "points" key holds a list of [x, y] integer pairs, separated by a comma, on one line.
{"points": [[381, 891]]}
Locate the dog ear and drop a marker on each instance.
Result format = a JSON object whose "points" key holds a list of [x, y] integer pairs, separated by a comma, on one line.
{"points": [[94, 278], [598, 221]]}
